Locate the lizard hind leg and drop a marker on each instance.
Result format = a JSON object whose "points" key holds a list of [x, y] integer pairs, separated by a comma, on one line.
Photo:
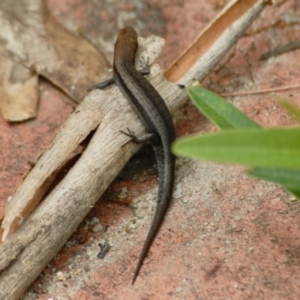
{"points": [[145, 138]]}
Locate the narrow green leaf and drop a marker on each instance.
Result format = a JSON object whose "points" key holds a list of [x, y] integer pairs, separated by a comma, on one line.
{"points": [[275, 147], [289, 179], [286, 177], [293, 110], [218, 110]]}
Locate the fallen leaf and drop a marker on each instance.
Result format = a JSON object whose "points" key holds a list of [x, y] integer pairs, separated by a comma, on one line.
{"points": [[33, 39]]}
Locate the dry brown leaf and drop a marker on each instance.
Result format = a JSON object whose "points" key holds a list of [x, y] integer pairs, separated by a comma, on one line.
{"points": [[18, 89], [34, 39], [236, 13]]}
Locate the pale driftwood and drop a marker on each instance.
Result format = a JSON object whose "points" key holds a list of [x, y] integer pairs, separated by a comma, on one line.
{"points": [[98, 107], [25, 253]]}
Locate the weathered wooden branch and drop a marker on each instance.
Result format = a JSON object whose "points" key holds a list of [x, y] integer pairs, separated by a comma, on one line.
{"points": [[28, 248]]}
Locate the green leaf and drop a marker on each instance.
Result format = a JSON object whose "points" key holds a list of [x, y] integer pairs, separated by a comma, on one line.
{"points": [[289, 179], [286, 177], [293, 110], [269, 149], [218, 110], [275, 147]]}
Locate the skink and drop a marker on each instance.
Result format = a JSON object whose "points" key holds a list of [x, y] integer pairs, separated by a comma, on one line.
{"points": [[154, 114]]}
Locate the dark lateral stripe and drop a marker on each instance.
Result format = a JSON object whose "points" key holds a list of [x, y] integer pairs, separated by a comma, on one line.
{"points": [[135, 101]]}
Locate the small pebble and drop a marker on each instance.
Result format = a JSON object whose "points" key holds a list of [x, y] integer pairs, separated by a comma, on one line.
{"points": [[97, 228], [60, 276], [179, 289], [237, 218], [86, 268], [177, 192], [69, 244], [123, 194], [132, 225], [94, 221], [185, 200]]}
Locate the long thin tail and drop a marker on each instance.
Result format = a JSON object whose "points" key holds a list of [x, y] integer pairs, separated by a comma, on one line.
{"points": [[166, 165], [158, 219]]}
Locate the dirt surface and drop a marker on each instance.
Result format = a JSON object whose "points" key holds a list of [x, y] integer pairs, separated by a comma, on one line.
{"points": [[226, 236]]}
